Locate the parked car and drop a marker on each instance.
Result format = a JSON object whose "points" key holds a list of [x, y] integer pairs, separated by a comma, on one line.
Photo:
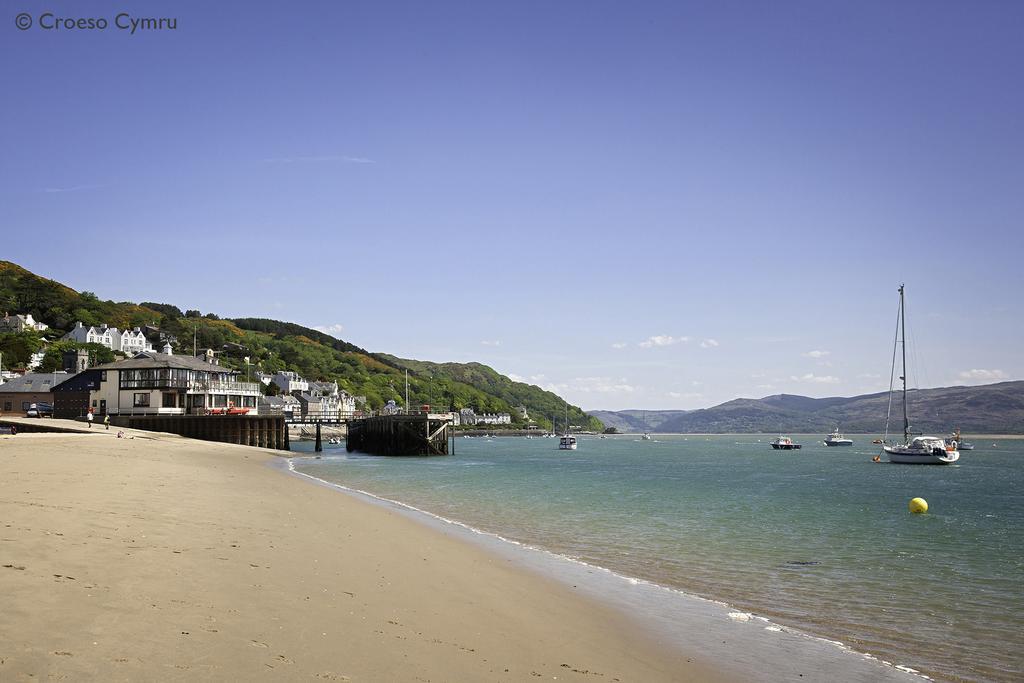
{"points": [[39, 410]]}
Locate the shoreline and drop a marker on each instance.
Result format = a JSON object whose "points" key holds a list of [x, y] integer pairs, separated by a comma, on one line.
{"points": [[174, 559], [166, 557], [686, 620]]}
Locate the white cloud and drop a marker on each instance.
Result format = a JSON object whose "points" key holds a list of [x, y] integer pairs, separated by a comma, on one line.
{"points": [[765, 386], [816, 354], [708, 344], [983, 375], [662, 340], [532, 379], [594, 385], [680, 394], [333, 330], [869, 375], [619, 345], [816, 379], [493, 342]]}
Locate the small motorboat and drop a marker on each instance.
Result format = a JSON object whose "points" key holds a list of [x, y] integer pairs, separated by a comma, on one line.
{"points": [[837, 439], [784, 443]]}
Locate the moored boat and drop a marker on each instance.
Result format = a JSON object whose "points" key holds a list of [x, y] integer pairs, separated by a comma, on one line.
{"points": [[784, 443], [567, 442], [958, 443], [837, 439], [920, 450]]}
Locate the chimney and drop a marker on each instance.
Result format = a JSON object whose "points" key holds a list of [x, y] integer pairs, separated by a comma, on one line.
{"points": [[167, 349]]}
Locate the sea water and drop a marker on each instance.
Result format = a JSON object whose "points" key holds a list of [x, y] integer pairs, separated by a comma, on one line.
{"points": [[818, 539]]}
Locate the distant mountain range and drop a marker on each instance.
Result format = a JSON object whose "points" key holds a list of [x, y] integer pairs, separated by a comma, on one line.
{"points": [[634, 420], [987, 409]]}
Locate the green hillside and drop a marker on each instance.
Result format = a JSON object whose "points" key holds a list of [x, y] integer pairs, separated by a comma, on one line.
{"points": [[272, 345]]}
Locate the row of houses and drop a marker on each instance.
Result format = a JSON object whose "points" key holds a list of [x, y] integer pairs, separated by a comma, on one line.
{"points": [[128, 342], [468, 416]]}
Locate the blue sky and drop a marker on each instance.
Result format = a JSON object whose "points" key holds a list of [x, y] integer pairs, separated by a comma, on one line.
{"points": [[639, 205]]}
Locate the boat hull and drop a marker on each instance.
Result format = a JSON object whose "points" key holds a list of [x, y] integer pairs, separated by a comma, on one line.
{"points": [[787, 446], [916, 457], [839, 442]]}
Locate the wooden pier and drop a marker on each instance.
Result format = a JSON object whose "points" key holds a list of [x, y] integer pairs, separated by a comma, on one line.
{"points": [[248, 430], [415, 434]]}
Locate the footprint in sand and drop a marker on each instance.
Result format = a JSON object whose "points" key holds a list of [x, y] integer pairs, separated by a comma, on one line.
{"points": [[256, 643]]}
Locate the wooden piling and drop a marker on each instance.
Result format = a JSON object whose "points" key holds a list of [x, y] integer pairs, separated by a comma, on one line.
{"points": [[420, 434]]}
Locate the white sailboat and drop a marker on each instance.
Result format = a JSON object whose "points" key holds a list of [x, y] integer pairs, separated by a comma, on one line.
{"points": [[919, 450], [568, 441], [647, 433]]}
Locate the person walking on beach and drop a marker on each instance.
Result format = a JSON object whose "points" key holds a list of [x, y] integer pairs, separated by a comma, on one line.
{"points": [[106, 422], [88, 417]]}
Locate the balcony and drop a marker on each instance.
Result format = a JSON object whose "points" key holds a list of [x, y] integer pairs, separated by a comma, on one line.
{"points": [[224, 387]]}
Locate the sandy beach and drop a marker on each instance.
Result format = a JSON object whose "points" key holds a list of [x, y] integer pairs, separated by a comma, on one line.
{"points": [[161, 558]]}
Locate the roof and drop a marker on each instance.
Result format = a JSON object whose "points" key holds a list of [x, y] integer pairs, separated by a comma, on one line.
{"points": [[35, 382], [275, 401], [152, 359]]}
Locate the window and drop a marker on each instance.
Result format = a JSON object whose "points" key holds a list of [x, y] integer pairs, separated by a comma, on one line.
{"points": [[7, 406], [103, 375], [170, 400], [94, 403], [141, 400]]}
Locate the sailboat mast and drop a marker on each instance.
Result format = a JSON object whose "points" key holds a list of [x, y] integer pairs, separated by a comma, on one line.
{"points": [[903, 333]]}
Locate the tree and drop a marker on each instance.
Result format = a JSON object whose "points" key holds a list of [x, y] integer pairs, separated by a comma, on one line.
{"points": [[272, 389], [17, 348], [53, 359]]}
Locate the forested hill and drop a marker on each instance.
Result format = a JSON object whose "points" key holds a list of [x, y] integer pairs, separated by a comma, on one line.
{"points": [[270, 345], [543, 406], [987, 409]]}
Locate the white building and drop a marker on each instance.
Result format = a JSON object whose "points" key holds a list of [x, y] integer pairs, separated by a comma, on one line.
{"points": [[163, 384], [494, 419], [290, 382], [20, 323], [131, 342], [95, 335]]}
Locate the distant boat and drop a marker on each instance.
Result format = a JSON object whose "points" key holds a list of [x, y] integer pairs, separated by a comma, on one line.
{"points": [[959, 443], [567, 442], [920, 450], [837, 439], [647, 434], [784, 443]]}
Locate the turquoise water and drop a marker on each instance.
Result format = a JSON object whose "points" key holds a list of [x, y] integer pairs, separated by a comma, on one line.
{"points": [[819, 539]]}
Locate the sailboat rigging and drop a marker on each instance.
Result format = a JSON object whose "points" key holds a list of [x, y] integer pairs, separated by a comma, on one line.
{"points": [[919, 450], [568, 441]]}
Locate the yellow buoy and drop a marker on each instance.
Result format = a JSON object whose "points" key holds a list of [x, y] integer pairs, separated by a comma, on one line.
{"points": [[918, 505]]}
